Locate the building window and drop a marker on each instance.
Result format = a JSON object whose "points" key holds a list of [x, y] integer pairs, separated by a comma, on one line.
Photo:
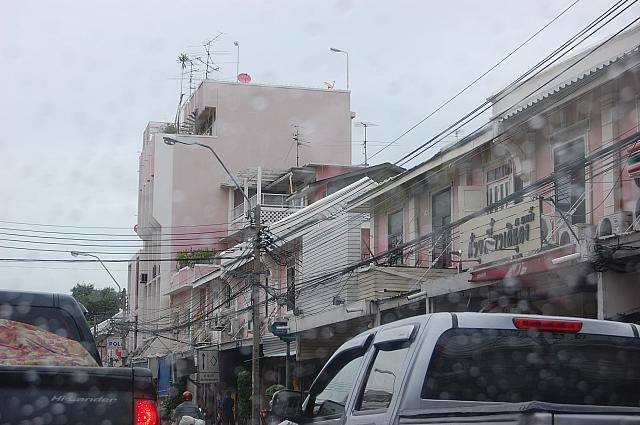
{"points": [[441, 235], [206, 122], [227, 295], [499, 183], [395, 227], [291, 285], [570, 181]]}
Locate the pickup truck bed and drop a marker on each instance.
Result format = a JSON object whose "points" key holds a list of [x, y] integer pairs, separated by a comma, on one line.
{"points": [[78, 395], [530, 413], [38, 385]]}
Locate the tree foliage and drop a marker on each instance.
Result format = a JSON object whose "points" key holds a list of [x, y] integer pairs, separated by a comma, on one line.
{"points": [[244, 397], [100, 303], [169, 128], [268, 393]]}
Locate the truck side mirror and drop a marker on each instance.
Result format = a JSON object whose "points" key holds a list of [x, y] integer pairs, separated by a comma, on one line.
{"points": [[286, 405]]}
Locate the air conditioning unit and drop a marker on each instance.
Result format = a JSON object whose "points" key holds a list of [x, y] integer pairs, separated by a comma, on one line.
{"points": [[234, 326], [583, 231], [218, 324], [615, 224]]}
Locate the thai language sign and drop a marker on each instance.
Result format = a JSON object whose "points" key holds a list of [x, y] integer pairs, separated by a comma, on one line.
{"points": [[502, 233]]}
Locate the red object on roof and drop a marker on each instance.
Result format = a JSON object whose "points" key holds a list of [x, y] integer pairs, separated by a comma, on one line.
{"points": [[244, 78]]}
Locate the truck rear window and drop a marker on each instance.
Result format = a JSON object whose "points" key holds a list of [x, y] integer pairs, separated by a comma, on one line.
{"points": [[520, 365]]}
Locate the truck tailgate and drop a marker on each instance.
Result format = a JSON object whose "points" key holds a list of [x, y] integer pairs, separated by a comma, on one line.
{"points": [[71, 395], [529, 413]]}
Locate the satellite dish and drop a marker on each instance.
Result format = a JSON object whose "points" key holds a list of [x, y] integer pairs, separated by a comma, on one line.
{"points": [[244, 78]]}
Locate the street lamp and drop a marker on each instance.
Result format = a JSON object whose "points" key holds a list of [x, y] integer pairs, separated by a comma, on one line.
{"points": [[121, 294], [255, 355], [237, 44], [172, 141], [333, 49], [86, 254]]}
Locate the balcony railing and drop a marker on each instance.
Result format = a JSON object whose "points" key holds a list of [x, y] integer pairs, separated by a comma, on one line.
{"points": [[277, 200]]}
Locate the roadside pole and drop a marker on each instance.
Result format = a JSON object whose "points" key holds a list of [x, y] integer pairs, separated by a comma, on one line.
{"points": [[287, 367], [255, 301]]}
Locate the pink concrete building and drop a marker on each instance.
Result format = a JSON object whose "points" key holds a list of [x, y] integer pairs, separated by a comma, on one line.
{"points": [[186, 201], [555, 146]]}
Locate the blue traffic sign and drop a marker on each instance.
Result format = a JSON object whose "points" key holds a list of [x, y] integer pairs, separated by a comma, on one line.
{"points": [[280, 328]]}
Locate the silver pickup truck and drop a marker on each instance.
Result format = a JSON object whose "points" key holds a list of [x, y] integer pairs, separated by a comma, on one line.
{"points": [[464, 368]]}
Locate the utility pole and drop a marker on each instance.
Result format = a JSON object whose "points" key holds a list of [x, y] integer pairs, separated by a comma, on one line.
{"points": [[255, 301]]}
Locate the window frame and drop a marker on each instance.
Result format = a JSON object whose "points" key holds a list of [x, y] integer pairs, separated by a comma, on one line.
{"points": [[563, 145], [394, 346], [360, 350]]}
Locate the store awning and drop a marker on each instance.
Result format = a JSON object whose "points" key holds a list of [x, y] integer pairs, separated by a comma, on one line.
{"points": [[536, 263]]}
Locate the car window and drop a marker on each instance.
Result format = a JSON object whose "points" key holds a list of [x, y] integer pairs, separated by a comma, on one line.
{"points": [[383, 379], [332, 398], [54, 320], [25, 344], [517, 366]]}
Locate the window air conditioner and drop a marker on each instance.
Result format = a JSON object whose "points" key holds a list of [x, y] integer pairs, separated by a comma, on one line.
{"points": [[582, 231], [615, 224]]}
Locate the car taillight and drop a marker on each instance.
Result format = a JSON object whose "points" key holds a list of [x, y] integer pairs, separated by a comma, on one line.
{"points": [[144, 412], [547, 325]]}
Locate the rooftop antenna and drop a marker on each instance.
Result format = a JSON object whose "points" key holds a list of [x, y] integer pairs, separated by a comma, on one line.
{"points": [[298, 142], [365, 125], [191, 82], [209, 63]]}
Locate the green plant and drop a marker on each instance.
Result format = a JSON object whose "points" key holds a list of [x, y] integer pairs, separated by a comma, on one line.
{"points": [[189, 258], [272, 389], [174, 398], [169, 128], [244, 397]]}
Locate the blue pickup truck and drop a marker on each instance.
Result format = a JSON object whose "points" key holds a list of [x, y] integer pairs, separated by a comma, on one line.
{"points": [[477, 368]]}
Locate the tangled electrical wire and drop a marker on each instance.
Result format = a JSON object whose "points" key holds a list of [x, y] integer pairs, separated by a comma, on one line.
{"points": [[602, 259]]}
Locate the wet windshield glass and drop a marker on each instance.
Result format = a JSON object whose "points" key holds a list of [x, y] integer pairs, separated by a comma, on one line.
{"points": [[516, 366], [24, 344]]}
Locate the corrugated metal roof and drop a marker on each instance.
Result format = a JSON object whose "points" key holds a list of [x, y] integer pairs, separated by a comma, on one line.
{"points": [[584, 77]]}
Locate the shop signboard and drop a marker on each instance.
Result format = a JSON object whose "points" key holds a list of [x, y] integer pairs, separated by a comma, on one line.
{"points": [[502, 234]]}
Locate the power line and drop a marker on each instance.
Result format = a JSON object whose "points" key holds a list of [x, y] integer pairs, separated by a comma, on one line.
{"points": [[413, 127], [485, 106]]}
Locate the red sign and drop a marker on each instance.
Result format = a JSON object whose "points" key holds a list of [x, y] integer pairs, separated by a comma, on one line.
{"points": [[244, 78], [522, 266]]}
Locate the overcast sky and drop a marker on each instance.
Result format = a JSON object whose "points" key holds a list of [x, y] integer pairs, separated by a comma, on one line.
{"points": [[80, 80]]}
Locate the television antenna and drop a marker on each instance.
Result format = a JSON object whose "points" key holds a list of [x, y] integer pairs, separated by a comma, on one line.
{"points": [[298, 142], [365, 125]]}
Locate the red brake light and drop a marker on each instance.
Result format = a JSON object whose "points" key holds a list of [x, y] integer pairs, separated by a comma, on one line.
{"points": [[144, 412], [547, 325]]}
